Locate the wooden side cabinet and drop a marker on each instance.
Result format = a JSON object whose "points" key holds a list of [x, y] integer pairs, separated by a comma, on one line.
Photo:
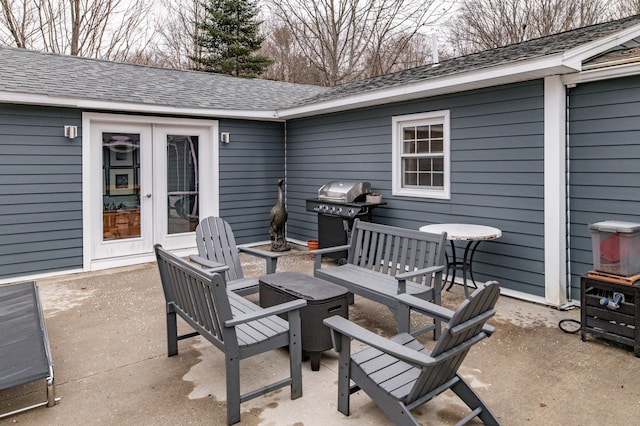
{"points": [[620, 325]]}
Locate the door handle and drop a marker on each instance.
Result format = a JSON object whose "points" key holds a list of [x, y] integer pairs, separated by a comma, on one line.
{"points": [[148, 195]]}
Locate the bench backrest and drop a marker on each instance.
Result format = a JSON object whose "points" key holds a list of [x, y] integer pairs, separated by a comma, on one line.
{"points": [[392, 250], [198, 297]]}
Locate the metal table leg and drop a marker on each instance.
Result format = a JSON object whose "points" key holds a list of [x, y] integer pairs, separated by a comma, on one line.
{"points": [[466, 265]]}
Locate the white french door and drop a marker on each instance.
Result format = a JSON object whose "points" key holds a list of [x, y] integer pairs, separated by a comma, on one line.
{"points": [[151, 180], [123, 210], [183, 178]]}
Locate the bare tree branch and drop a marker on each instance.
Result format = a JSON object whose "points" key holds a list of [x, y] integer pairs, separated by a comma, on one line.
{"points": [[17, 23], [487, 24], [340, 37], [105, 29]]}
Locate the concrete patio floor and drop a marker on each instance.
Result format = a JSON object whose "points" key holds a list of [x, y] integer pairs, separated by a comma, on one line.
{"points": [[107, 334]]}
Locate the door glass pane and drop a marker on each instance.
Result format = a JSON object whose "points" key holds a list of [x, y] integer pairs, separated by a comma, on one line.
{"points": [[182, 183], [120, 186]]}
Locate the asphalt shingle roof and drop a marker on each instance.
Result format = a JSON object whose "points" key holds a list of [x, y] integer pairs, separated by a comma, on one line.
{"points": [[31, 72], [37, 73], [531, 49]]}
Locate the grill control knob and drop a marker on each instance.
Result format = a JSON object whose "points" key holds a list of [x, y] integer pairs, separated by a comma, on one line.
{"points": [[339, 210], [351, 212]]}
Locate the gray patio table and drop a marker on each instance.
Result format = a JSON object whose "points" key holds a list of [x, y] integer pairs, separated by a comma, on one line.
{"points": [[474, 235]]}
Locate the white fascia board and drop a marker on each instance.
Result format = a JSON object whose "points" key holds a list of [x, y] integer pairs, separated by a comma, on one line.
{"points": [[501, 74], [604, 73], [59, 101]]}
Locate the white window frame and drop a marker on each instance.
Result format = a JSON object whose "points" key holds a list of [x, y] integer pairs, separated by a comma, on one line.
{"points": [[433, 117]]}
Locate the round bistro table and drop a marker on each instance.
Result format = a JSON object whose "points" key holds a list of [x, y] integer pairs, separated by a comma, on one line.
{"points": [[474, 235]]}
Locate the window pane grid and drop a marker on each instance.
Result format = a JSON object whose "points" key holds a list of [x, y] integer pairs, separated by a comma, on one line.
{"points": [[423, 156]]}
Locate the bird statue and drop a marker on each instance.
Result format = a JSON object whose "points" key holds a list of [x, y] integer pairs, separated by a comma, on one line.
{"points": [[277, 220]]}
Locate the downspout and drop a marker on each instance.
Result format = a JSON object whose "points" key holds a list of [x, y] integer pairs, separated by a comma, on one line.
{"points": [[286, 170], [568, 196]]}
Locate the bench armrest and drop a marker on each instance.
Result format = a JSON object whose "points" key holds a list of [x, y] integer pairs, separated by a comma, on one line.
{"points": [[343, 326], [418, 272], [266, 312], [319, 252], [270, 257], [207, 264], [402, 278], [330, 249]]}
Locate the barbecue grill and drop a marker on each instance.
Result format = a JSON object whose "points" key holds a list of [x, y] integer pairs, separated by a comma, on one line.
{"points": [[338, 204]]}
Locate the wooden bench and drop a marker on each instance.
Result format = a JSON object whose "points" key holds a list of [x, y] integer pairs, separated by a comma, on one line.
{"points": [[384, 261], [233, 324]]}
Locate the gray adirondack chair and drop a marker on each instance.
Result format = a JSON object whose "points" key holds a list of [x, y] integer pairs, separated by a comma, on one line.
{"points": [[400, 374], [233, 324], [217, 245]]}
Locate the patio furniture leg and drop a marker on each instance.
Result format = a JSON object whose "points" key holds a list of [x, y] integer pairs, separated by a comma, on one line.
{"points": [[233, 389], [172, 334], [453, 265], [295, 354], [51, 392], [343, 346], [473, 401]]}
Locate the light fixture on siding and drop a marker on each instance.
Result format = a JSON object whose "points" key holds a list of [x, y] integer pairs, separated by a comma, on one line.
{"points": [[71, 132], [224, 137]]}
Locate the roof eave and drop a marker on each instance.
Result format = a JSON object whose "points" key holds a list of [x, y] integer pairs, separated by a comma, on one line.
{"points": [[68, 102], [502, 74], [603, 73], [575, 57]]}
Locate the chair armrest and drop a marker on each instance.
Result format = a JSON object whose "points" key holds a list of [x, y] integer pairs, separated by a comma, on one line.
{"points": [[266, 312], [433, 310], [260, 253], [418, 272], [209, 265], [428, 308], [345, 327], [270, 257]]}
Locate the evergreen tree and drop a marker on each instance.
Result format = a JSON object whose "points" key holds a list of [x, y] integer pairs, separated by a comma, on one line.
{"points": [[229, 38]]}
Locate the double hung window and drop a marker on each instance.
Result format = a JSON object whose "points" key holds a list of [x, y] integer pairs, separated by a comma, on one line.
{"points": [[421, 163]]}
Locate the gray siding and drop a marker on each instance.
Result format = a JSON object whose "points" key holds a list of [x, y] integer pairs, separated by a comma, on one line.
{"points": [[250, 166], [604, 141], [40, 191], [497, 173]]}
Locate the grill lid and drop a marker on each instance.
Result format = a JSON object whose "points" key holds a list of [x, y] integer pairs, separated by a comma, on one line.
{"points": [[343, 191]]}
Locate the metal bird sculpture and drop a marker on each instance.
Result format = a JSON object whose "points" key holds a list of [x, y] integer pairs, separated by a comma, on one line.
{"points": [[278, 219]]}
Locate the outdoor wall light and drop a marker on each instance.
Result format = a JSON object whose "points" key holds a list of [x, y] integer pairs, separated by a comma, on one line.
{"points": [[224, 137], [71, 132]]}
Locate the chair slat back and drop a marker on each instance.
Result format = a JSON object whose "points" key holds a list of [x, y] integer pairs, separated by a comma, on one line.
{"points": [[216, 242], [391, 250], [460, 334], [198, 296]]}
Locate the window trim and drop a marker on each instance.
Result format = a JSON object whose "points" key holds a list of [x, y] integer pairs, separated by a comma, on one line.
{"points": [[432, 117]]}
